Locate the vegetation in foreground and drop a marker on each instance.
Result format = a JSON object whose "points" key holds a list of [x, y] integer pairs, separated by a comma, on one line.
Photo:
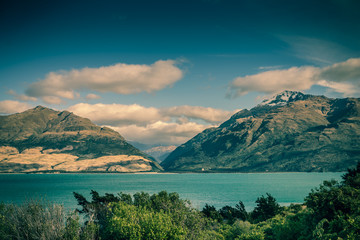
{"points": [[331, 211]]}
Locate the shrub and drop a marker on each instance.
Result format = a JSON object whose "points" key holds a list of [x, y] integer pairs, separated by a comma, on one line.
{"points": [[43, 220], [32, 220], [131, 222], [242, 230]]}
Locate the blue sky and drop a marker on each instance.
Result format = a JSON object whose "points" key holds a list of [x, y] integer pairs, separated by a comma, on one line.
{"points": [[161, 71]]}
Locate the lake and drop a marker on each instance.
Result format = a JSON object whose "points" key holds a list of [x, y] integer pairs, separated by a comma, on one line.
{"points": [[218, 189]]}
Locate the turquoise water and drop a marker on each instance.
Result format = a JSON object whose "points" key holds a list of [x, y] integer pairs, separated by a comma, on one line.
{"points": [[216, 189]]}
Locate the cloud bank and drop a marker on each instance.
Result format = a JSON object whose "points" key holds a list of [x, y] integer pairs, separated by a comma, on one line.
{"points": [[341, 77], [10, 106], [173, 125], [119, 78], [118, 114], [207, 114], [161, 132]]}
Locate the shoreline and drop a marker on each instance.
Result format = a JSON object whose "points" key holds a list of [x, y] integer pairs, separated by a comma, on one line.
{"points": [[160, 173]]}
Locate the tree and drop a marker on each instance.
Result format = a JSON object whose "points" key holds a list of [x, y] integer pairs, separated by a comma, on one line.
{"points": [[352, 177], [228, 213], [126, 198], [142, 199], [211, 212], [95, 211], [266, 208], [241, 211], [97, 204], [336, 207]]}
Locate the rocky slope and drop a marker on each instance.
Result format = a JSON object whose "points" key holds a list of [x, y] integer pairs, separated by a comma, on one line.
{"points": [[290, 132], [42, 139]]}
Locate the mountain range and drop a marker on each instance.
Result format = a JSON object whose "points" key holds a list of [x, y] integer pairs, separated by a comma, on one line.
{"points": [[291, 131], [45, 140]]}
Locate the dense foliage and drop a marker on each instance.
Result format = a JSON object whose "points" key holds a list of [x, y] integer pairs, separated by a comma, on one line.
{"points": [[331, 211]]}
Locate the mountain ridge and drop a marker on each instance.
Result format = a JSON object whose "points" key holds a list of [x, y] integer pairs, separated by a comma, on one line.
{"points": [[307, 133], [284, 98], [46, 132]]}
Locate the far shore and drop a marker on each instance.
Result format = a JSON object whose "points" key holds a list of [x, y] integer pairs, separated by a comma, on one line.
{"points": [[156, 173]]}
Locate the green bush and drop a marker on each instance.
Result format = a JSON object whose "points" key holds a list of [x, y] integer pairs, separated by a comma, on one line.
{"points": [[131, 222], [242, 230], [73, 227], [288, 226], [182, 215]]}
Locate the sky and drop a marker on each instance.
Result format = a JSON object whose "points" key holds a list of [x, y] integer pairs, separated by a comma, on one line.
{"points": [[159, 72]]}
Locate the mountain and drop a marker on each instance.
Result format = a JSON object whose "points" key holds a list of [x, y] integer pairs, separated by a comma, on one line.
{"points": [[290, 132], [284, 98], [45, 140], [160, 152]]}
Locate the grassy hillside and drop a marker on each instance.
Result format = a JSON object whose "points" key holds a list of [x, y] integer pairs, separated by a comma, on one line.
{"points": [[53, 137]]}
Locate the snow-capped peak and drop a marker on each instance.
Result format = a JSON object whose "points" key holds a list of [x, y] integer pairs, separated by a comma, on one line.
{"points": [[283, 98]]}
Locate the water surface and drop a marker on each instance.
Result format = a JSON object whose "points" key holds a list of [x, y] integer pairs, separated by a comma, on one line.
{"points": [[217, 189]]}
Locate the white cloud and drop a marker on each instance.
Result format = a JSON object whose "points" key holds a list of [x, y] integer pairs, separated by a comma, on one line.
{"points": [[161, 132], [295, 78], [206, 114], [119, 78], [343, 77], [92, 96], [10, 106], [346, 88], [173, 125], [117, 114], [348, 71]]}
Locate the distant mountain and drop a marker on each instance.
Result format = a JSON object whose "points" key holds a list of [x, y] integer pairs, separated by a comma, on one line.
{"points": [[290, 132], [159, 152], [42, 139]]}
